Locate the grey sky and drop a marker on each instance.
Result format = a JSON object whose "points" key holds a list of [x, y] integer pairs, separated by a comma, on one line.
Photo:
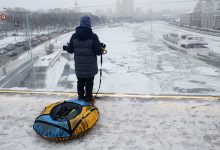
{"points": [[100, 4]]}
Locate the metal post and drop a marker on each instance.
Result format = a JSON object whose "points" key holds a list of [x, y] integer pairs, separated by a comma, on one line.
{"points": [[4, 71], [4, 30], [151, 19], [15, 35], [151, 59], [5, 22], [29, 41]]}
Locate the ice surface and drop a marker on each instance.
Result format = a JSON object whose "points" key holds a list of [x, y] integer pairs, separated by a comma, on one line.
{"points": [[140, 63], [207, 71]]}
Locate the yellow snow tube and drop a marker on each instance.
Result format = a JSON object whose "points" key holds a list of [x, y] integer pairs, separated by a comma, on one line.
{"points": [[66, 120]]}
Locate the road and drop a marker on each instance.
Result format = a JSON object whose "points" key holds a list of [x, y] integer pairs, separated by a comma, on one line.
{"points": [[38, 51]]}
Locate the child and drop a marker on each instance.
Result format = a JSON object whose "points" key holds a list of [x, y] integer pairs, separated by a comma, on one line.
{"points": [[86, 46]]}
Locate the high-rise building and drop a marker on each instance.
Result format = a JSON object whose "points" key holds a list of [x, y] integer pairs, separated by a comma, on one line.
{"points": [[206, 14], [186, 19], [125, 8], [197, 15], [217, 14], [207, 18], [76, 7]]}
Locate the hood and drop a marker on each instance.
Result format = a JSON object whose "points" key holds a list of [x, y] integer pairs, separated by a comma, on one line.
{"points": [[83, 33], [85, 21]]}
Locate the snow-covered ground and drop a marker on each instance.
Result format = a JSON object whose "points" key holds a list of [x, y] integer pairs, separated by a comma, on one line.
{"points": [[124, 123], [11, 40]]}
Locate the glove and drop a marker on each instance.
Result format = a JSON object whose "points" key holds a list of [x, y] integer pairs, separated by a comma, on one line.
{"points": [[66, 47], [103, 45], [104, 51]]}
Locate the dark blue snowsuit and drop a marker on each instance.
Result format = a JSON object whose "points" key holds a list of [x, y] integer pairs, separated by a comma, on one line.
{"points": [[86, 46]]}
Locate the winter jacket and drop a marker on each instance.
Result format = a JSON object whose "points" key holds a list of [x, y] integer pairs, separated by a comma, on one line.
{"points": [[86, 46]]}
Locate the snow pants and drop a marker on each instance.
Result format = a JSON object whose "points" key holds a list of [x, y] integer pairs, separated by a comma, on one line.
{"points": [[85, 87]]}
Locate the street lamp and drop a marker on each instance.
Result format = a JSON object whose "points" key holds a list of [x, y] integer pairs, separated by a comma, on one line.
{"points": [[4, 22], [30, 46]]}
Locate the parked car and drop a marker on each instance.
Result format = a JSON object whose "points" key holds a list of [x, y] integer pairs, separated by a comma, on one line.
{"points": [[26, 47], [10, 47], [2, 51], [34, 43], [38, 41], [12, 54], [43, 38], [14, 34], [19, 50], [19, 44], [52, 35]]}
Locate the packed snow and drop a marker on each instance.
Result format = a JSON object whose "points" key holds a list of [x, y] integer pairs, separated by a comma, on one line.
{"points": [[124, 123]]}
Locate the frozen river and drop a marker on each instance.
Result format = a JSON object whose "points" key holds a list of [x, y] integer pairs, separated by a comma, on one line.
{"points": [[140, 63]]}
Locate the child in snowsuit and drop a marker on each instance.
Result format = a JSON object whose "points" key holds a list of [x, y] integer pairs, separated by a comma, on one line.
{"points": [[86, 46]]}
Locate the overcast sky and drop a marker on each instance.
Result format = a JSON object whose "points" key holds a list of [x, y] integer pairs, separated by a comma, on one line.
{"points": [[92, 5]]}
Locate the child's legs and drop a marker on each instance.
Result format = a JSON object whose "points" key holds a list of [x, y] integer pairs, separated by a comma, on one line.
{"points": [[89, 87], [80, 87]]}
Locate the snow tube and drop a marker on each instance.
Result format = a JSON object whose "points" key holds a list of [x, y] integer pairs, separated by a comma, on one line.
{"points": [[66, 120]]}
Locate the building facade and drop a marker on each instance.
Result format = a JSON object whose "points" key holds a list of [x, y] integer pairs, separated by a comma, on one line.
{"points": [[186, 19], [76, 7], [206, 15], [197, 15], [125, 8], [207, 18], [217, 14]]}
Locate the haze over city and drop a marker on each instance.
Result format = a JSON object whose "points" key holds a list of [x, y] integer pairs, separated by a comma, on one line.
{"points": [[93, 5]]}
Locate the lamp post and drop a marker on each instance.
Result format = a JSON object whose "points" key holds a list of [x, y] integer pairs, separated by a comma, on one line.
{"points": [[151, 19], [30, 46], [151, 52], [4, 28]]}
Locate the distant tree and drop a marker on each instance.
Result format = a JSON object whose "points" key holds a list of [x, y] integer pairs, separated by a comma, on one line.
{"points": [[44, 20]]}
